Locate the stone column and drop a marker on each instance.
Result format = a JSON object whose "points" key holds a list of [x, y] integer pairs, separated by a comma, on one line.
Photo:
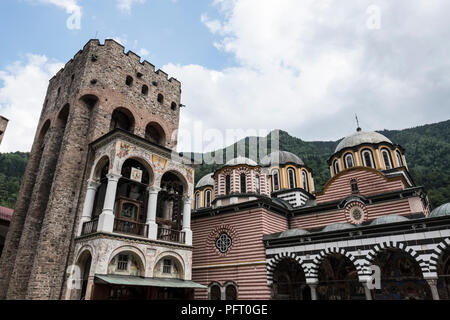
{"points": [[367, 291], [88, 204], [151, 212], [187, 201], [106, 220], [434, 290], [313, 287], [89, 291]]}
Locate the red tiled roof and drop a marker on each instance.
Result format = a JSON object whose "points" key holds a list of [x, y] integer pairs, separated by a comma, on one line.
{"points": [[6, 214]]}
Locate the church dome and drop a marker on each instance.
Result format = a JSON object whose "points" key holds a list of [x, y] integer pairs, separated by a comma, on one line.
{"points": [[393, 218], [293, 233], [361, 137], [443, 210], [206, 181], [280, 158], [338, 226], [241, 160]]}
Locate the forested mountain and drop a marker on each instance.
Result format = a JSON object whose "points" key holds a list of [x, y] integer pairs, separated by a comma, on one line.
{"points": [[12, 167], [427, 153]]}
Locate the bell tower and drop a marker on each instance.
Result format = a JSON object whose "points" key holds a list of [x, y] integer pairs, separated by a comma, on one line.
{"points": [[104, 108]]}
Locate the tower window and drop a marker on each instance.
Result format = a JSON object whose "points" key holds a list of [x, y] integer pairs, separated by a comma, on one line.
{"points": [[227, 184], [129, 81], [173, 106], [305, 181], [349, 163], [243, 183], [354, 185], [386, 159], [292, 179], [275, 180], [368, 159], [160, 98], [144, 89]]}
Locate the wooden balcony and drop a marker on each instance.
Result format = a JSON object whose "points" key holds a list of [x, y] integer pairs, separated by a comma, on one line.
{"points": [[129, 227]]}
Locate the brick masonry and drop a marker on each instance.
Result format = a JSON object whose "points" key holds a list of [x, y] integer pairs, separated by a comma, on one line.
{"points": [[77, 110]]}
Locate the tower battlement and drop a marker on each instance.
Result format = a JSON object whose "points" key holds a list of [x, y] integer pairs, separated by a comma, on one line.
{"points": [[111, 44]]}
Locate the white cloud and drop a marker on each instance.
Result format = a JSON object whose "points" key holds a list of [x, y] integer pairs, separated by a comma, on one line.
{"points": [[23, 85], [309, 66], [143, 53], [125, 5], [71, 7]]}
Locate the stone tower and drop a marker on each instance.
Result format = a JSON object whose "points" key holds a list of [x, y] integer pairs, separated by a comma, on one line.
{"points": [[106, 116]]}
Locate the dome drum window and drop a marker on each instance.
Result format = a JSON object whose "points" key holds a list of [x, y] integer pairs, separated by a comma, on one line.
{"points": [[368, 159], [227, 184], [291, 178], [387, 159], [207, 198], [305, 181], [349, 162], [275, 180], [336, 167]]}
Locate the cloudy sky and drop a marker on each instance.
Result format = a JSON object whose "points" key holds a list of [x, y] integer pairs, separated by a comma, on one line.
{"points": [[304, 66]]}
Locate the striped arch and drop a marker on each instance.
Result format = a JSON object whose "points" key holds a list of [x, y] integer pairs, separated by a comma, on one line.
{"points": [[314, 272], [273, 263], [394, 245], [438, 251]]}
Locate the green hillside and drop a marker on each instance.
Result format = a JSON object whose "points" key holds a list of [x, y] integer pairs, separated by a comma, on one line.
{"points": [[427, 152]]}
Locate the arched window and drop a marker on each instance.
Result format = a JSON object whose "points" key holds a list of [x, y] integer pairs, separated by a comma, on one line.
{"points": [[198, 200], [258, 185], [305, 181], [231, 292], [354, 185], [387, 159], [123, 119], [215, 292], [160, 98], [129, 81], [144, 89], [291, 178], [399, 159], [275, 180], [173, 106], [368, 158], [228, 184], [155, 133], [243, 183], [349, 162], [207, 198], [336, 166]]}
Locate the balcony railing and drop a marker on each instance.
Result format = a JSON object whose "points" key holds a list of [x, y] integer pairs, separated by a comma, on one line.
{"points": [[89, 227], [129, 227], [170, 235]]}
